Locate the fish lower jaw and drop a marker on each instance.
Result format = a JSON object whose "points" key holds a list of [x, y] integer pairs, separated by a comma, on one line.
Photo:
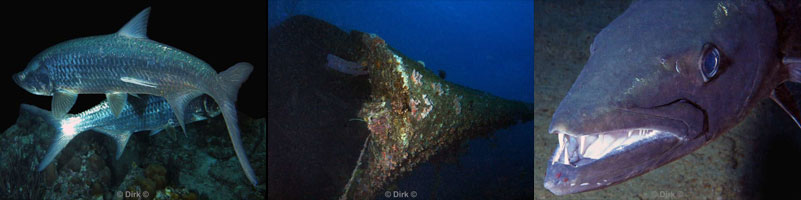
{"points": [[577, 150]]}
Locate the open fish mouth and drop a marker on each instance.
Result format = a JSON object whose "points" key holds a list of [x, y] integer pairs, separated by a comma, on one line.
{"points": [[580, 150]]}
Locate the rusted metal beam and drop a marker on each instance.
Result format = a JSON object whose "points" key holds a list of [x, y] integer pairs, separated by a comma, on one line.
{"points": [[413, 113]]}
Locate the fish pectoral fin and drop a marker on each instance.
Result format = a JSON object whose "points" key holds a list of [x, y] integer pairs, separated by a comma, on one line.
{"points": [[63, 100], [116, 101], [137, 27], [781, 95], [120, 138], [793, 65], [178, 102]]}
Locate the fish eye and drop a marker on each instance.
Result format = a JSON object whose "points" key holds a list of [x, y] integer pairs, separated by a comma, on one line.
{"points": [[710, 62]]}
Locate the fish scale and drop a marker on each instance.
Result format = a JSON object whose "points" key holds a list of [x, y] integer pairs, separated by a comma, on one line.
{"points": [[146, 113], [100, 75], [129, 119]]}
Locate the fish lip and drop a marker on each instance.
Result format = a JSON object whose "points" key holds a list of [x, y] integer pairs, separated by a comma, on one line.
{"points": [[573, 178], [18, 79], [678, 136]]}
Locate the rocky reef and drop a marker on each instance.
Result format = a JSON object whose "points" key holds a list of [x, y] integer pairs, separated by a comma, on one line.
{"points": [[200, 164]]}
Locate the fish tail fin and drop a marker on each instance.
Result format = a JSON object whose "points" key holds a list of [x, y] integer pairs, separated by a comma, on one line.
{"points": [[224, 92], [61, 138], [229, 114], [229, 81]]}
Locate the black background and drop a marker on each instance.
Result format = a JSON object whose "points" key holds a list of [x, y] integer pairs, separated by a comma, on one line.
{"points": [[220, 33]]}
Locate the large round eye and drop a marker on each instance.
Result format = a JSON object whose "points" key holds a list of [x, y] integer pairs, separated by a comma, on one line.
{"points": [[710, 62]]}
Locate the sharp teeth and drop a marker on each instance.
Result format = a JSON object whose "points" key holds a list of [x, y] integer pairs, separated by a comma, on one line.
{"points": [[556, 157], [615, 144], [595, 146], [558, 149], [631, 140], [598, 148], [567, 156]]}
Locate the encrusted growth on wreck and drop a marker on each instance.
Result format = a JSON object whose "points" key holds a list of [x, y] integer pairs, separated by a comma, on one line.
{"points": [[413, 113]]}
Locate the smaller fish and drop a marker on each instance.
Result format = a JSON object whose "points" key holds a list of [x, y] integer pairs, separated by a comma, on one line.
{"points": [[345, 66], [147, 113]]}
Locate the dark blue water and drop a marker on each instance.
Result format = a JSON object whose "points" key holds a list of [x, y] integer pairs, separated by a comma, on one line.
{"points": [[500, 167], [488, 46], [483, 45]]}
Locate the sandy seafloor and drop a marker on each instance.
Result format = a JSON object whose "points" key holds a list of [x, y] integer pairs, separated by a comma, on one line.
{"points": [[746, 162]]}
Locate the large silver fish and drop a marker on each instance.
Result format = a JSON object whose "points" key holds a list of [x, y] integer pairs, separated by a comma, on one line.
{"points": [[149, 113], [128, 62]]}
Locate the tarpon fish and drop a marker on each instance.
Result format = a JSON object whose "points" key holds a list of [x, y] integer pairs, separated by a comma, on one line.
{"points": [[127, 62], [148, 113], [662, 80]]}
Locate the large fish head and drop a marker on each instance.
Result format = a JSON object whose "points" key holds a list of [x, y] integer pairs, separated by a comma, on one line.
{"points": [[35, 79], [662, 80]]}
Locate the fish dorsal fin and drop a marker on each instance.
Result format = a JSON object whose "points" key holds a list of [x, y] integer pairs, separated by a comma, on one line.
{"points": [[137, 27], [781, 95], [793, 65]]}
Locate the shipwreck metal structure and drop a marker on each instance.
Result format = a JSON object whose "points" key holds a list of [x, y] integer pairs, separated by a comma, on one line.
{"points": [[413, 113]]}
